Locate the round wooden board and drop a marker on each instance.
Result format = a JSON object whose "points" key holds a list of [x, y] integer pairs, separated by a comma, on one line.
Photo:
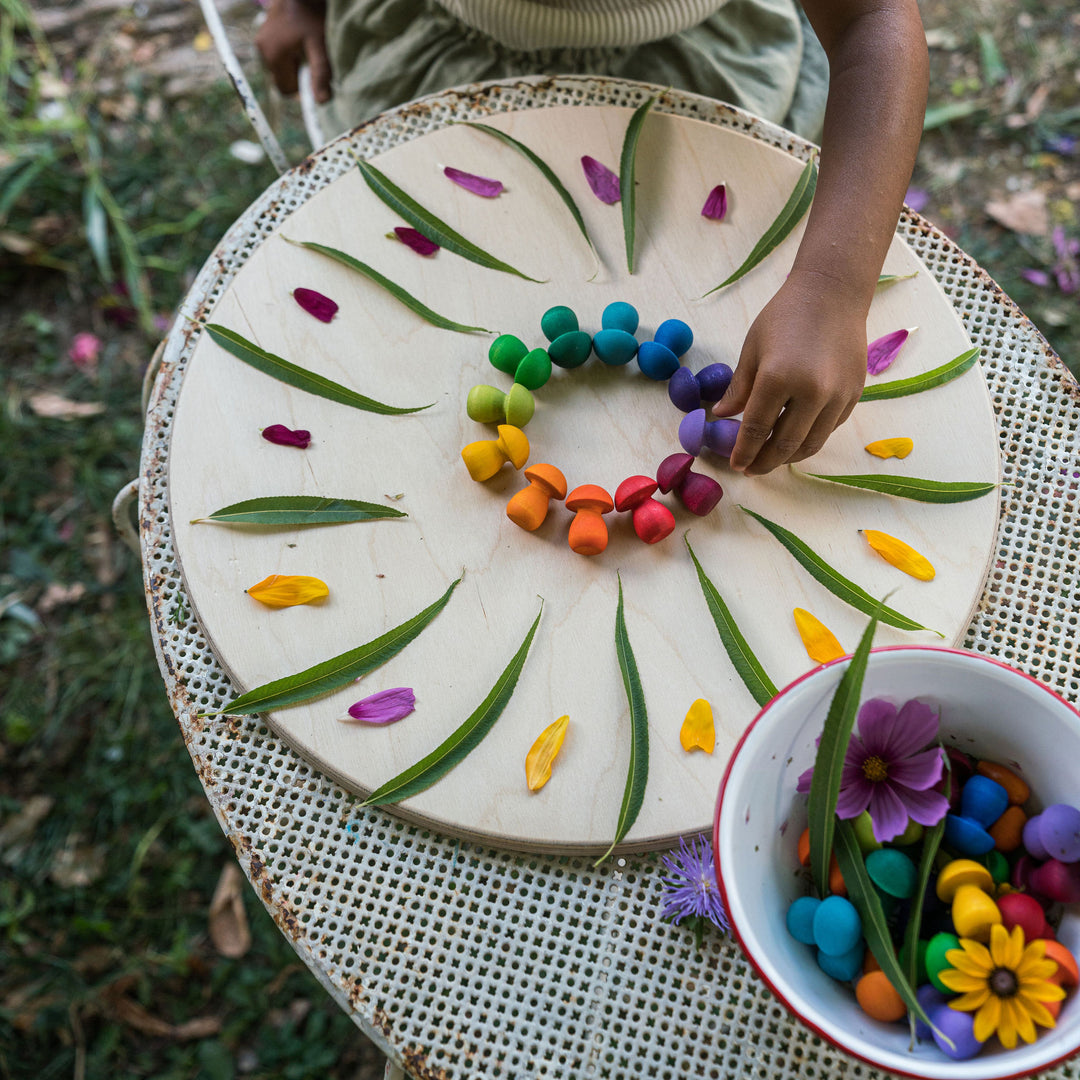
{"points": [[599, 425]]}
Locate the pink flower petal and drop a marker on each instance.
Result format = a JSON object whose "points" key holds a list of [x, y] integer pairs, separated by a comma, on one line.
{"points": [[604, 183], [385, 707], [716, 204], [283, 436], [314, 303], [881, 352], [413, 238], [918, 772], [887, 813], [478, 185], [916, 725], [876, 719], [84, 351], [803, 786], [926, 807]]}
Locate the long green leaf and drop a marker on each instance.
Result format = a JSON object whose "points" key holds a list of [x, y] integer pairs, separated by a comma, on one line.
{"points": [[927, 381], [885, 280], [875, 927], [911, 487], [462, 741], [931, 843], [829, 760], [392, 287], [339, 670], [637, 773], [746, 664], [301, 378], [545, 171], [627, 186], [299, 510], [432, 227], [835, 582], [798, 203]]}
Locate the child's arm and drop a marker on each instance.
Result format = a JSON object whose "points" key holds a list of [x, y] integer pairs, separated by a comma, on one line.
{"points": [[803, 363]]}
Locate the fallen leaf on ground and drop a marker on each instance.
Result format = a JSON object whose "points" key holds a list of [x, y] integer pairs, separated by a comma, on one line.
{"points": [[1025, 213], [56, 595], [56, 407], [19, 828], [229, 930], [130, 1013], [77, 865]]}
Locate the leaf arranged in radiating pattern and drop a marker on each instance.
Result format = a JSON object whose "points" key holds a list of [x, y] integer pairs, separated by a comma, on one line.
{"points": [[627, 167], [461, 742], [926, 381], [637, 773], [798, 203], [835, 582], [299, 510], [337, 671], [301, 378], [911, 487]]}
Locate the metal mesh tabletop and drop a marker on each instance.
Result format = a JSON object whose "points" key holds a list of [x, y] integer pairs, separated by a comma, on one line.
{"points": [[462, 961]]}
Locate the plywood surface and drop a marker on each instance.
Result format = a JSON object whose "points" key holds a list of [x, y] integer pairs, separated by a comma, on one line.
{"points": [[599, 425]]}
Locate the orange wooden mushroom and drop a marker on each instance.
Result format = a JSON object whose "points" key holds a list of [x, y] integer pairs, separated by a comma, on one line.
{"points": [[588, 530], [529, 506]]}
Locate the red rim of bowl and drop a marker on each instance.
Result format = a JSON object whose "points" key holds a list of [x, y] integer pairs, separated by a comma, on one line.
{"points": [[774, 989]]}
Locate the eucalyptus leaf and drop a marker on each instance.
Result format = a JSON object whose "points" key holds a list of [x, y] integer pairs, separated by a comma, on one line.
{"points": [[462, 741], [829, 760], [392, 287], [931, 844], [746, 664], [299, 510], [301, 378], [916, 384], [835, 582], [627, 168], [637, 773], [911, 487], [339, 670], [431, 226], [798, 203]]}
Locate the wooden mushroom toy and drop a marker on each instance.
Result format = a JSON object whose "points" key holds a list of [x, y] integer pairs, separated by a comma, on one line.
{"points": [[529, 506], [652, 520], [588, 530], [698, 493], [486, 457]]}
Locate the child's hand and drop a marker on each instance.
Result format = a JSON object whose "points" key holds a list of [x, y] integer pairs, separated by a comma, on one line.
{"points": [[800, 373], [295, 33]]}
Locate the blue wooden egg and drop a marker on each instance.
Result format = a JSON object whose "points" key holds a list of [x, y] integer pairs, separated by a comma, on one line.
{"points": [[615, 346], [837, 926], [800, 918], [983, 800], [620, 316], [847, 966], [656, 360], [968, 837], [959, 1028], [675, 335]]}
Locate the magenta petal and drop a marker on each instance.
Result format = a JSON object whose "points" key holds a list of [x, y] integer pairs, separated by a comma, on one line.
{"points": [[803, 786], [888, 814], [415, 239], [919, 771], [314, 303], [926, 807], [283, 436], [884, 350], [604, 183], [478, 185], [1036, 277], [876, 719], [916, 725], [384, 707], [854, 798], [716, 204]]}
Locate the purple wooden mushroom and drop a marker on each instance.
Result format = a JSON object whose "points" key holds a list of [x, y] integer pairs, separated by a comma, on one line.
{"points": [[719, 436], [698, 493]]}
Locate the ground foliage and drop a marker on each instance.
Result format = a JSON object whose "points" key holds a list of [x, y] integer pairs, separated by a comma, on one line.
{"points": [[111, 196]]}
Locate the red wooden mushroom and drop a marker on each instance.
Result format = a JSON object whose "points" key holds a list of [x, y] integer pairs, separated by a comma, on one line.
{"points": [[652, 520]]}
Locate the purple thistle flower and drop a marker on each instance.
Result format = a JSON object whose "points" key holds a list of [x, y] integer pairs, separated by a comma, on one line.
{"points": [[690, 889], [887, 771]]}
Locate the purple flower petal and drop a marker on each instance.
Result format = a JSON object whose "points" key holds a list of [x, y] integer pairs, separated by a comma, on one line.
{"points": [[716, 204], [1036, 277], [916, 725], [478, 185], [917, 199], [918, 772], [314, 303], [884, 350], [854, 798], [876, 719], [385, 707], [413, 238], [888, 814], [604, 183], [283, 436], [926, 807]]}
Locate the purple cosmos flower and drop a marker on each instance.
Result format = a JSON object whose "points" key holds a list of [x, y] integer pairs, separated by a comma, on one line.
{"points": [[415, 239], [283, 436], [716, 204], [385, 707], [314, 303], [478, 185], [887, 771], [881, 352], [690, 889], [604, 183]]}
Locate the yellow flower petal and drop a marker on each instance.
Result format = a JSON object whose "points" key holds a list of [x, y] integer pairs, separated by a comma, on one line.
{"points": [[540, 758], [986, 1019], [1037, 1011], [287, 590], [969, 1002], [902, 556], [961, 982], [698, 732], [821, 644], [1006, 1031], [978, 952], [1041, 990], [962, 962], [887, 448], [1025, 1027]]}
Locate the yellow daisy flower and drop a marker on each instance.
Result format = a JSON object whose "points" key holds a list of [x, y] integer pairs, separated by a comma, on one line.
{"points": [[1005, 985]]}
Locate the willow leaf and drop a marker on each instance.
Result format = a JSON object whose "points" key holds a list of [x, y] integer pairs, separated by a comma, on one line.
{"points": [[637, 774], [885, 280], [299, 510], [926, 381], [746, 664], [835, 582], [301, 378], [912, 487], [875, 927], [798, 203], [339, 670], [392, 287], [931, 843], [545, 171], [432, 227], [627, 168], [829, 761], [461, 742]]}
